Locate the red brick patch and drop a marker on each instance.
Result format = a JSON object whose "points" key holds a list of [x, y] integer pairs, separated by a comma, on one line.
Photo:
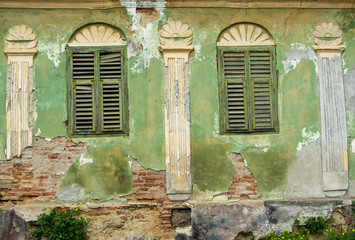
{"points": [[34, 175]]}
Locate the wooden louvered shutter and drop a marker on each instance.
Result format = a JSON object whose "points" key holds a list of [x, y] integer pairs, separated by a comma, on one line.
{"points": [[83, 93], [234, 73], [262, 89], [110, 69]]}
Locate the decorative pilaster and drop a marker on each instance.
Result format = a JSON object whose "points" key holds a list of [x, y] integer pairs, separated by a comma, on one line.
{"points": [[20, 48], [175, 43], [328, 39]]}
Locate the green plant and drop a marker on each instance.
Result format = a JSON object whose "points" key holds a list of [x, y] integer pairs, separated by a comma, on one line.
{"points": [[340, 234], [315, 224], [60, 223], [301, 234]]}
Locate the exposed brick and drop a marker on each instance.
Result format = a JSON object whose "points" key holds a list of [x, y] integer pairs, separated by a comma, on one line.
{"points": [[33, 174], [244, 183]]}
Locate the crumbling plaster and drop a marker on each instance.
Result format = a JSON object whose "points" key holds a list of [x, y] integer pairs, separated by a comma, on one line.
{"points": [[211, 169]]}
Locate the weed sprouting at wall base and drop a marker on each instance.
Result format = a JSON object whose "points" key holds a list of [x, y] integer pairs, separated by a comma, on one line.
{"points": [[60, 223]]}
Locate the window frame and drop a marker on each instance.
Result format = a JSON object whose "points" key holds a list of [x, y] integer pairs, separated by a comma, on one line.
{"points": [[248, 93], [97, 93]]}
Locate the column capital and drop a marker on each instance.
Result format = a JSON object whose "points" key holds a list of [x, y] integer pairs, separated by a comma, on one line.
{"points": [[20, 40], [175, 40], [176, 52], [328, 39]]}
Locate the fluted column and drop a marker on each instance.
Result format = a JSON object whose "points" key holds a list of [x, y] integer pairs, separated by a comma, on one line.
{"points": [[175, 43], [334, 145], [20, 48]]}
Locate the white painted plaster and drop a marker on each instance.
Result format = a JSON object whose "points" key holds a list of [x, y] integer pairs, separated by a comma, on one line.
{"points": [[290, 64], [215, 130], [48, 139], [263, 145], [197, 48], [294, 56], [146, 36], [129, 4], [35, 115], [52, 49], [83, 160], [297, 45], [245, 162], [353, 145], [308, 137], [38, 132]]}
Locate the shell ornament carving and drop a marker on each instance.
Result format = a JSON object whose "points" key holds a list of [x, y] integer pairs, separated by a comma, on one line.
{"points": [[175, 33], [244, 34], [328, 34], [97, 34], [20, 37]]}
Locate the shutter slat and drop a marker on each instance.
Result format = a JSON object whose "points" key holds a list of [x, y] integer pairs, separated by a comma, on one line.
{"points": [[83, 102], [110, 65], [234, 65], [262, 104], [236, 115], [83, 65], [260, 64], [89, 69], [248, 82], [260, 72], [111, 105], [118, 64], [110, 74]]}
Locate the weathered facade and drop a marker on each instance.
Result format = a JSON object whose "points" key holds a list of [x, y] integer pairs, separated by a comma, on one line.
{"points": [[175, 143]]}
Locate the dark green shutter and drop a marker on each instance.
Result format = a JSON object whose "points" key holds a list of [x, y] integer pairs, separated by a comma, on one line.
{"points": [[110, 84], [261, 77], [235, 86], [248, 83], [83, 77]]}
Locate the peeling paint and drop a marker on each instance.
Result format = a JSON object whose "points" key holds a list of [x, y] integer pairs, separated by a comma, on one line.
{"points": [[84, 160], [353, 146], [53, 50], [294, 56], [290, 64], [146, 36], [264, 145], [38, 132], [143, 4], [269, 155], [308, 137]]}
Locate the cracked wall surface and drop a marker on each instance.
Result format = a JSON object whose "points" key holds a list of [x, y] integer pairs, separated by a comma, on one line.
{"points": [[273, 159], [39, 171]]}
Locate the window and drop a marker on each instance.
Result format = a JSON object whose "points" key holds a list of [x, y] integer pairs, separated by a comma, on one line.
{"points": [[248, 87], [97, 90]]}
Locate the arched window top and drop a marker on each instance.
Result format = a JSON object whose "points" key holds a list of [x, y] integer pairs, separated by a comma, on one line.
{"points": [[97, 34], [245, 34]]}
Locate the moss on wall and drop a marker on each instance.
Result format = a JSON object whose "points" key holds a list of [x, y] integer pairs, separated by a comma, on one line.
{"points": [[104, 171], [268, 156]]}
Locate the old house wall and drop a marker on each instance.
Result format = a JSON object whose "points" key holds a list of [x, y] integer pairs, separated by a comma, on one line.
{"points": [[132, 168]]}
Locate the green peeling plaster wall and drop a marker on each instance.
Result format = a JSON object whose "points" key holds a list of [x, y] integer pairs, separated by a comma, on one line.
{"points": [[104, 170]]}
